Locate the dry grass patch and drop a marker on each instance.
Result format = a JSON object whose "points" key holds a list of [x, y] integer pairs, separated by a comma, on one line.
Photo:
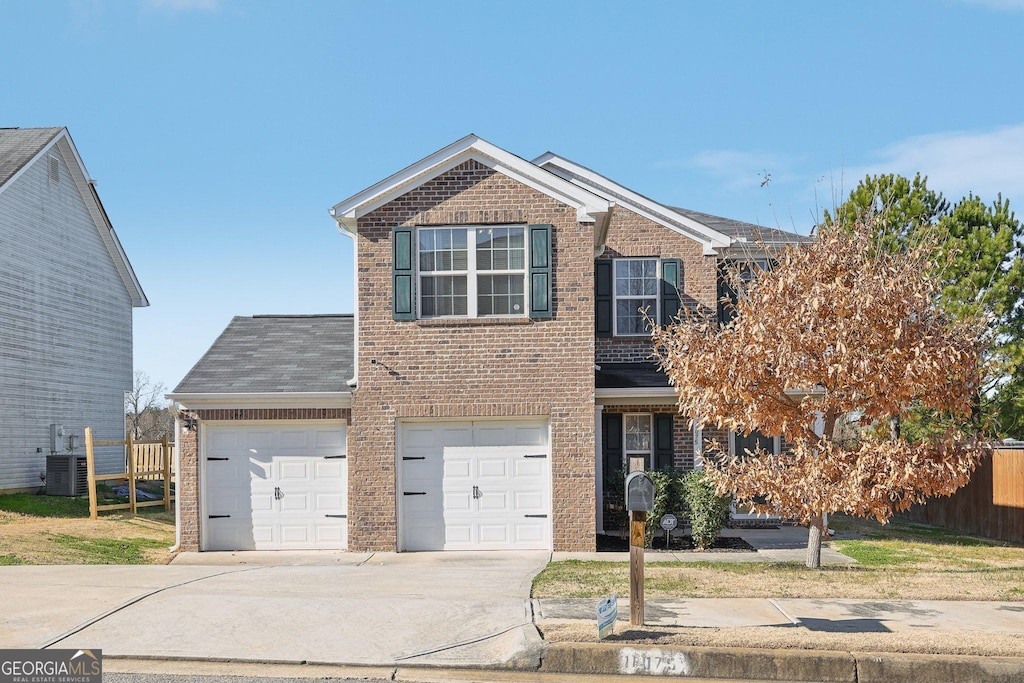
{"points": [[896, 561], [111, 539], [798, 638]]}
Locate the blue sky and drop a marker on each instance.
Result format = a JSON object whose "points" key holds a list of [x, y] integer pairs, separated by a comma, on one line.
{"points": [[221, 131]]}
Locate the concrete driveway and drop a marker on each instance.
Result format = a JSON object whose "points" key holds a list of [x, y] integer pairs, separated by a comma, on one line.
{"points": [[469, 609]]}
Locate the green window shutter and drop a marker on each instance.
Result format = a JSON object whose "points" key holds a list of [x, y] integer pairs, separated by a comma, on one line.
{"points": [[540, 271], [603, 300], [671, 288], [403, 275], [611, 446], [664, 452]]}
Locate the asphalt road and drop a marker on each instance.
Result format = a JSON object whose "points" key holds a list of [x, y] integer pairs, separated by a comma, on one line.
{"points": [[169, 678]]}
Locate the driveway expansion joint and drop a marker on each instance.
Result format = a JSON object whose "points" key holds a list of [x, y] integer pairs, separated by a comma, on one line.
{"points": [[135, 600]]}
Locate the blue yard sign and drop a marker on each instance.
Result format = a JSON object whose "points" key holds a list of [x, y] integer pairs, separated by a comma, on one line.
{"points": [[607, 613]]}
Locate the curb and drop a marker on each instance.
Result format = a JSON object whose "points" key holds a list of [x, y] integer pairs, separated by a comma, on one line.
{"points": [[797, 666]]}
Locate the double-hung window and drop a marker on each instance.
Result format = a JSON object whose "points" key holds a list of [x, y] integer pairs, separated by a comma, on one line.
{"points": [[636, 293], [637, 441], [472, 271]]}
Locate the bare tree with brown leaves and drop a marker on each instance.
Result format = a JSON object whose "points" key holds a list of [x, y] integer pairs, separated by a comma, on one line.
{"points": [[838, 330]]}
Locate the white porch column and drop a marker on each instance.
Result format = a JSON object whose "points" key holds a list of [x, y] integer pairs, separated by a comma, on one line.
{"points": [[598, 468]]}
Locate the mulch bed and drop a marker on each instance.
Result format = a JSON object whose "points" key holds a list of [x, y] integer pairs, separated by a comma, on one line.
{"points": [[723, 544]]}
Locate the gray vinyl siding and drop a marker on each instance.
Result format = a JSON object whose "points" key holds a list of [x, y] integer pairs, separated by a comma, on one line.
{"points": [[65, 326]]}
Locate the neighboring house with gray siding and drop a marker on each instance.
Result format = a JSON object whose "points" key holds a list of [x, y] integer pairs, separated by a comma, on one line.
{"points": [[67, 292]]}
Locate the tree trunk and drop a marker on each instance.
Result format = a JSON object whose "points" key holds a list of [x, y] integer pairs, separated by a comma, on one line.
{"points": [[815, 531]]}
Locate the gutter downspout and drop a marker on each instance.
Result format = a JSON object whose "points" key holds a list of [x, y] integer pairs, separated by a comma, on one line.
{"points": [[177, 473], [352, 383]]}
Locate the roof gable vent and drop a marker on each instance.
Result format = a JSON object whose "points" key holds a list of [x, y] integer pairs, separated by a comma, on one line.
{"points": [[54, 168]]}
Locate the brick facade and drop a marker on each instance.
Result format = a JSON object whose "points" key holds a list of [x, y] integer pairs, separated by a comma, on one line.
{"points": [[632, 235], [474, 368], [187, 486]]}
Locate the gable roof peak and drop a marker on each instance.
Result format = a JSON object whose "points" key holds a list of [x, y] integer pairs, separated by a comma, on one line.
{"points": [[590, 207]]}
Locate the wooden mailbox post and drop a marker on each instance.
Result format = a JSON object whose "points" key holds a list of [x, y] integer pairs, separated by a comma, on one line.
{"points": [[639, 501]]}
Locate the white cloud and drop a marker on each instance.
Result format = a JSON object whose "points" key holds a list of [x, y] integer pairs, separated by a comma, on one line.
{"points": [[985, 163], [184, 5]]}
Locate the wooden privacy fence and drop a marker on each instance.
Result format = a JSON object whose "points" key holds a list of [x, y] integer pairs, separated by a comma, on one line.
{"points": [[144, 460], [992, 503]]}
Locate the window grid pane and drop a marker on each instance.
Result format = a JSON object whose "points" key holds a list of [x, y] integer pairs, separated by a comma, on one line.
{"points": [[636, 290], [637, 430], [443, 295]]}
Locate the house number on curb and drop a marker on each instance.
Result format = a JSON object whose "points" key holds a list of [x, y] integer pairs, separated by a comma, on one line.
{"points": [[654, 662]]}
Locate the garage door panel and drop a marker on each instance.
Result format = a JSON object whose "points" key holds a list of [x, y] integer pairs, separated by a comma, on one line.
{"points": [[529, 467], [493, 502], [529, 532], [327, 469], [276, 486], [492, 467], [494, 533], [529, 502], [460, 456], [261, 502], [456, 468], [330, 503]]}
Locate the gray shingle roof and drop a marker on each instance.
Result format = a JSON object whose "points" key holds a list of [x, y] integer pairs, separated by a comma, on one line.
{"points": [[19, 145], [277, 353], [750, 232], [627, 375]]}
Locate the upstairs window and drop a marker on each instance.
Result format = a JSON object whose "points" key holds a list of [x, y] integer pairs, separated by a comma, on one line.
{"points": [[636, 294], [627, 291], [472, 272], [734, 276]]}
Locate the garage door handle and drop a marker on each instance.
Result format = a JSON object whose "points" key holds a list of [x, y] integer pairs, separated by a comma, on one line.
{"points": [[414, 493], [337, 516], [544, 516], [218, 516], [541, 455], [208, 459], [335, 457], [414, 457]]}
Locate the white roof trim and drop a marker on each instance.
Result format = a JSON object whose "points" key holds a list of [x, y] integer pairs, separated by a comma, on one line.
{"points": [[279, 399], [635, 395], [590, 207], [86, 187], [710, 238]]}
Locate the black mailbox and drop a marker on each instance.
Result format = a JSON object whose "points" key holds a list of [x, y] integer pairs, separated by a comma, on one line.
{"points": [[639, 492]]}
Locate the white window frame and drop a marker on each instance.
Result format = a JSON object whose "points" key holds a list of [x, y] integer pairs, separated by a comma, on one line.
{"points": [[471, 272], [616, 297], [649, 453]]}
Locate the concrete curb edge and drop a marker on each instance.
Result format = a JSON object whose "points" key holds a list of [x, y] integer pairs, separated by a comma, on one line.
{"points": [[824, 666]]}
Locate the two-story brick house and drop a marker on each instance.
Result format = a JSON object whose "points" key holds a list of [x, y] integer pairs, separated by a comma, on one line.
{"points": [[499, 373]]}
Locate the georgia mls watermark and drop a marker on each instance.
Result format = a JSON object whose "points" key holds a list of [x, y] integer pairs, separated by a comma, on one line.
{"points": [[51, 666]]}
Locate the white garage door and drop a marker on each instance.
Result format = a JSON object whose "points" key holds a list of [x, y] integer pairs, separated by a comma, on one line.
{"points": [[475, 486], [273, 487]]}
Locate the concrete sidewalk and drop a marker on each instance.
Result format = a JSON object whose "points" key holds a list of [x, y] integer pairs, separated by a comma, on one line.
{"points": [[832, 616]]}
